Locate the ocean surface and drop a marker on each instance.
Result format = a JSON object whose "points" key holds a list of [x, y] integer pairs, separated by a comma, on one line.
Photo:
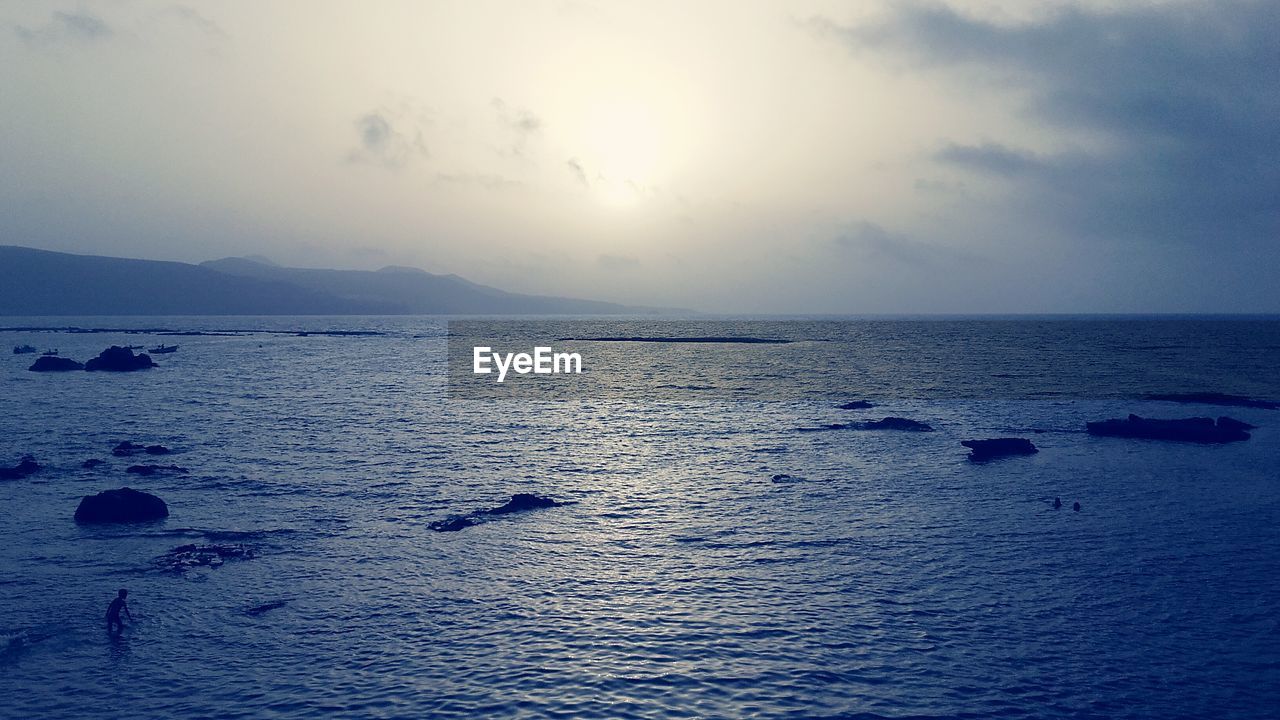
{"points": [[889, 577]]}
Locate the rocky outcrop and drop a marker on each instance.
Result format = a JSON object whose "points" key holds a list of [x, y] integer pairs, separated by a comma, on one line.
{"points": [[125, 505], [119, 359], [1194, 430], [983, 450], [520, 502], [26, 466], [53, 363], [1211, 398]]}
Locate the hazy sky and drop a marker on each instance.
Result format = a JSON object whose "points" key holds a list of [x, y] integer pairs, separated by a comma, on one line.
{"points": [[727, 156]]}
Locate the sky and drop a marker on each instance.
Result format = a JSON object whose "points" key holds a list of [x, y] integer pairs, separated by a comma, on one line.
{"points": [[731, 156]]}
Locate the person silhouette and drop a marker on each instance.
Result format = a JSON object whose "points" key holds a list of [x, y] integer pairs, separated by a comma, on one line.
{"points": [[1057, 503], [1075, 507], [113, 612]]}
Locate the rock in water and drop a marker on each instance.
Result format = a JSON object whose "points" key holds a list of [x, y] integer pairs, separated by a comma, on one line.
{"points": [[148, 470], [128, 448], [91, 463], [1196, 430], [856, 405], [784, 479], [981, 450], [453, 524], [53, 363], [521, 502], [186, 557], [119, 359], [125, 505], [1234, 424], [26, 466], [1210, 398], [894, 423]]}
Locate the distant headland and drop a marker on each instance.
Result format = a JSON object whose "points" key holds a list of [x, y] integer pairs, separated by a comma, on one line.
{"points": [[40, 282]]}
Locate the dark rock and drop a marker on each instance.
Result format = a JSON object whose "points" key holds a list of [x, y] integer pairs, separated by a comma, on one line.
{"points": [[1057, 503], [820, 428], [125, 505], [786, 479], [1216, 399], [1196, 429], [453, 524], [521, 502], [26, 466], [981, 450], [90, 463], [856, 405], [119, 359], [186, 557], [157, 450], [1076, 507], [52, 363], [893, 423], [148, 470], [1234, 424]]}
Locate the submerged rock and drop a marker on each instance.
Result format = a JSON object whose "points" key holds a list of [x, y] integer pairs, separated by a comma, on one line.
{"points": [[1196, 429], [128, 448], [856, 405], [1210, 398], [1234, 424], [521, 502], [148, 470], [119, 359], [125, 505], [265, 607], [784, 479], [186, 557], [981, 450], [453, 524], [26, 466], [91, 463], [893, 423], [53, 363]]}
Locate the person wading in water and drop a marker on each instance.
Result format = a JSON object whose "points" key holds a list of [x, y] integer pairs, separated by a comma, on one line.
{"points": [[113, 612]]}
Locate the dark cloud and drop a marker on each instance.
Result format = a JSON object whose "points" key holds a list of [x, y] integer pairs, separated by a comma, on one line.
{"points": [[381, 143], [1185, 95], [79, 26]]}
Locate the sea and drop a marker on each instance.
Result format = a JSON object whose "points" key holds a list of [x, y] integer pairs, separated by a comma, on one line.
{"points": [[718, 550]]}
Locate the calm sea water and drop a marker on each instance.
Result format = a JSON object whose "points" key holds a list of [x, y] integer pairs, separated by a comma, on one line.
{"points": [[895, 579]]}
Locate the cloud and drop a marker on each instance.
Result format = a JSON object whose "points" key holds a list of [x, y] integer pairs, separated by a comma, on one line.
{"points": [[1184, 96], [519, 124], [578, 172], [874, 242], [79, 27], [381, 143]]}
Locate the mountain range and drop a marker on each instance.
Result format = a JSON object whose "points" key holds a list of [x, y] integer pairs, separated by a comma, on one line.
{"points": [[41, 282]]}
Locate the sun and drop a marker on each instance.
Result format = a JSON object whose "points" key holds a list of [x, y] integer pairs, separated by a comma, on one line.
{"points": [[622, 143]]}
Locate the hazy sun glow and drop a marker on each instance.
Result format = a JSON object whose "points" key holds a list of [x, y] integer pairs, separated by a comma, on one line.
{"points": [[622, 144]]}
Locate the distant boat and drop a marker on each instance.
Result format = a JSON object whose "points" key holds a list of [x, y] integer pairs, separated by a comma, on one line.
{"points": [[50, 353], [23, 349], [164, 349]]}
